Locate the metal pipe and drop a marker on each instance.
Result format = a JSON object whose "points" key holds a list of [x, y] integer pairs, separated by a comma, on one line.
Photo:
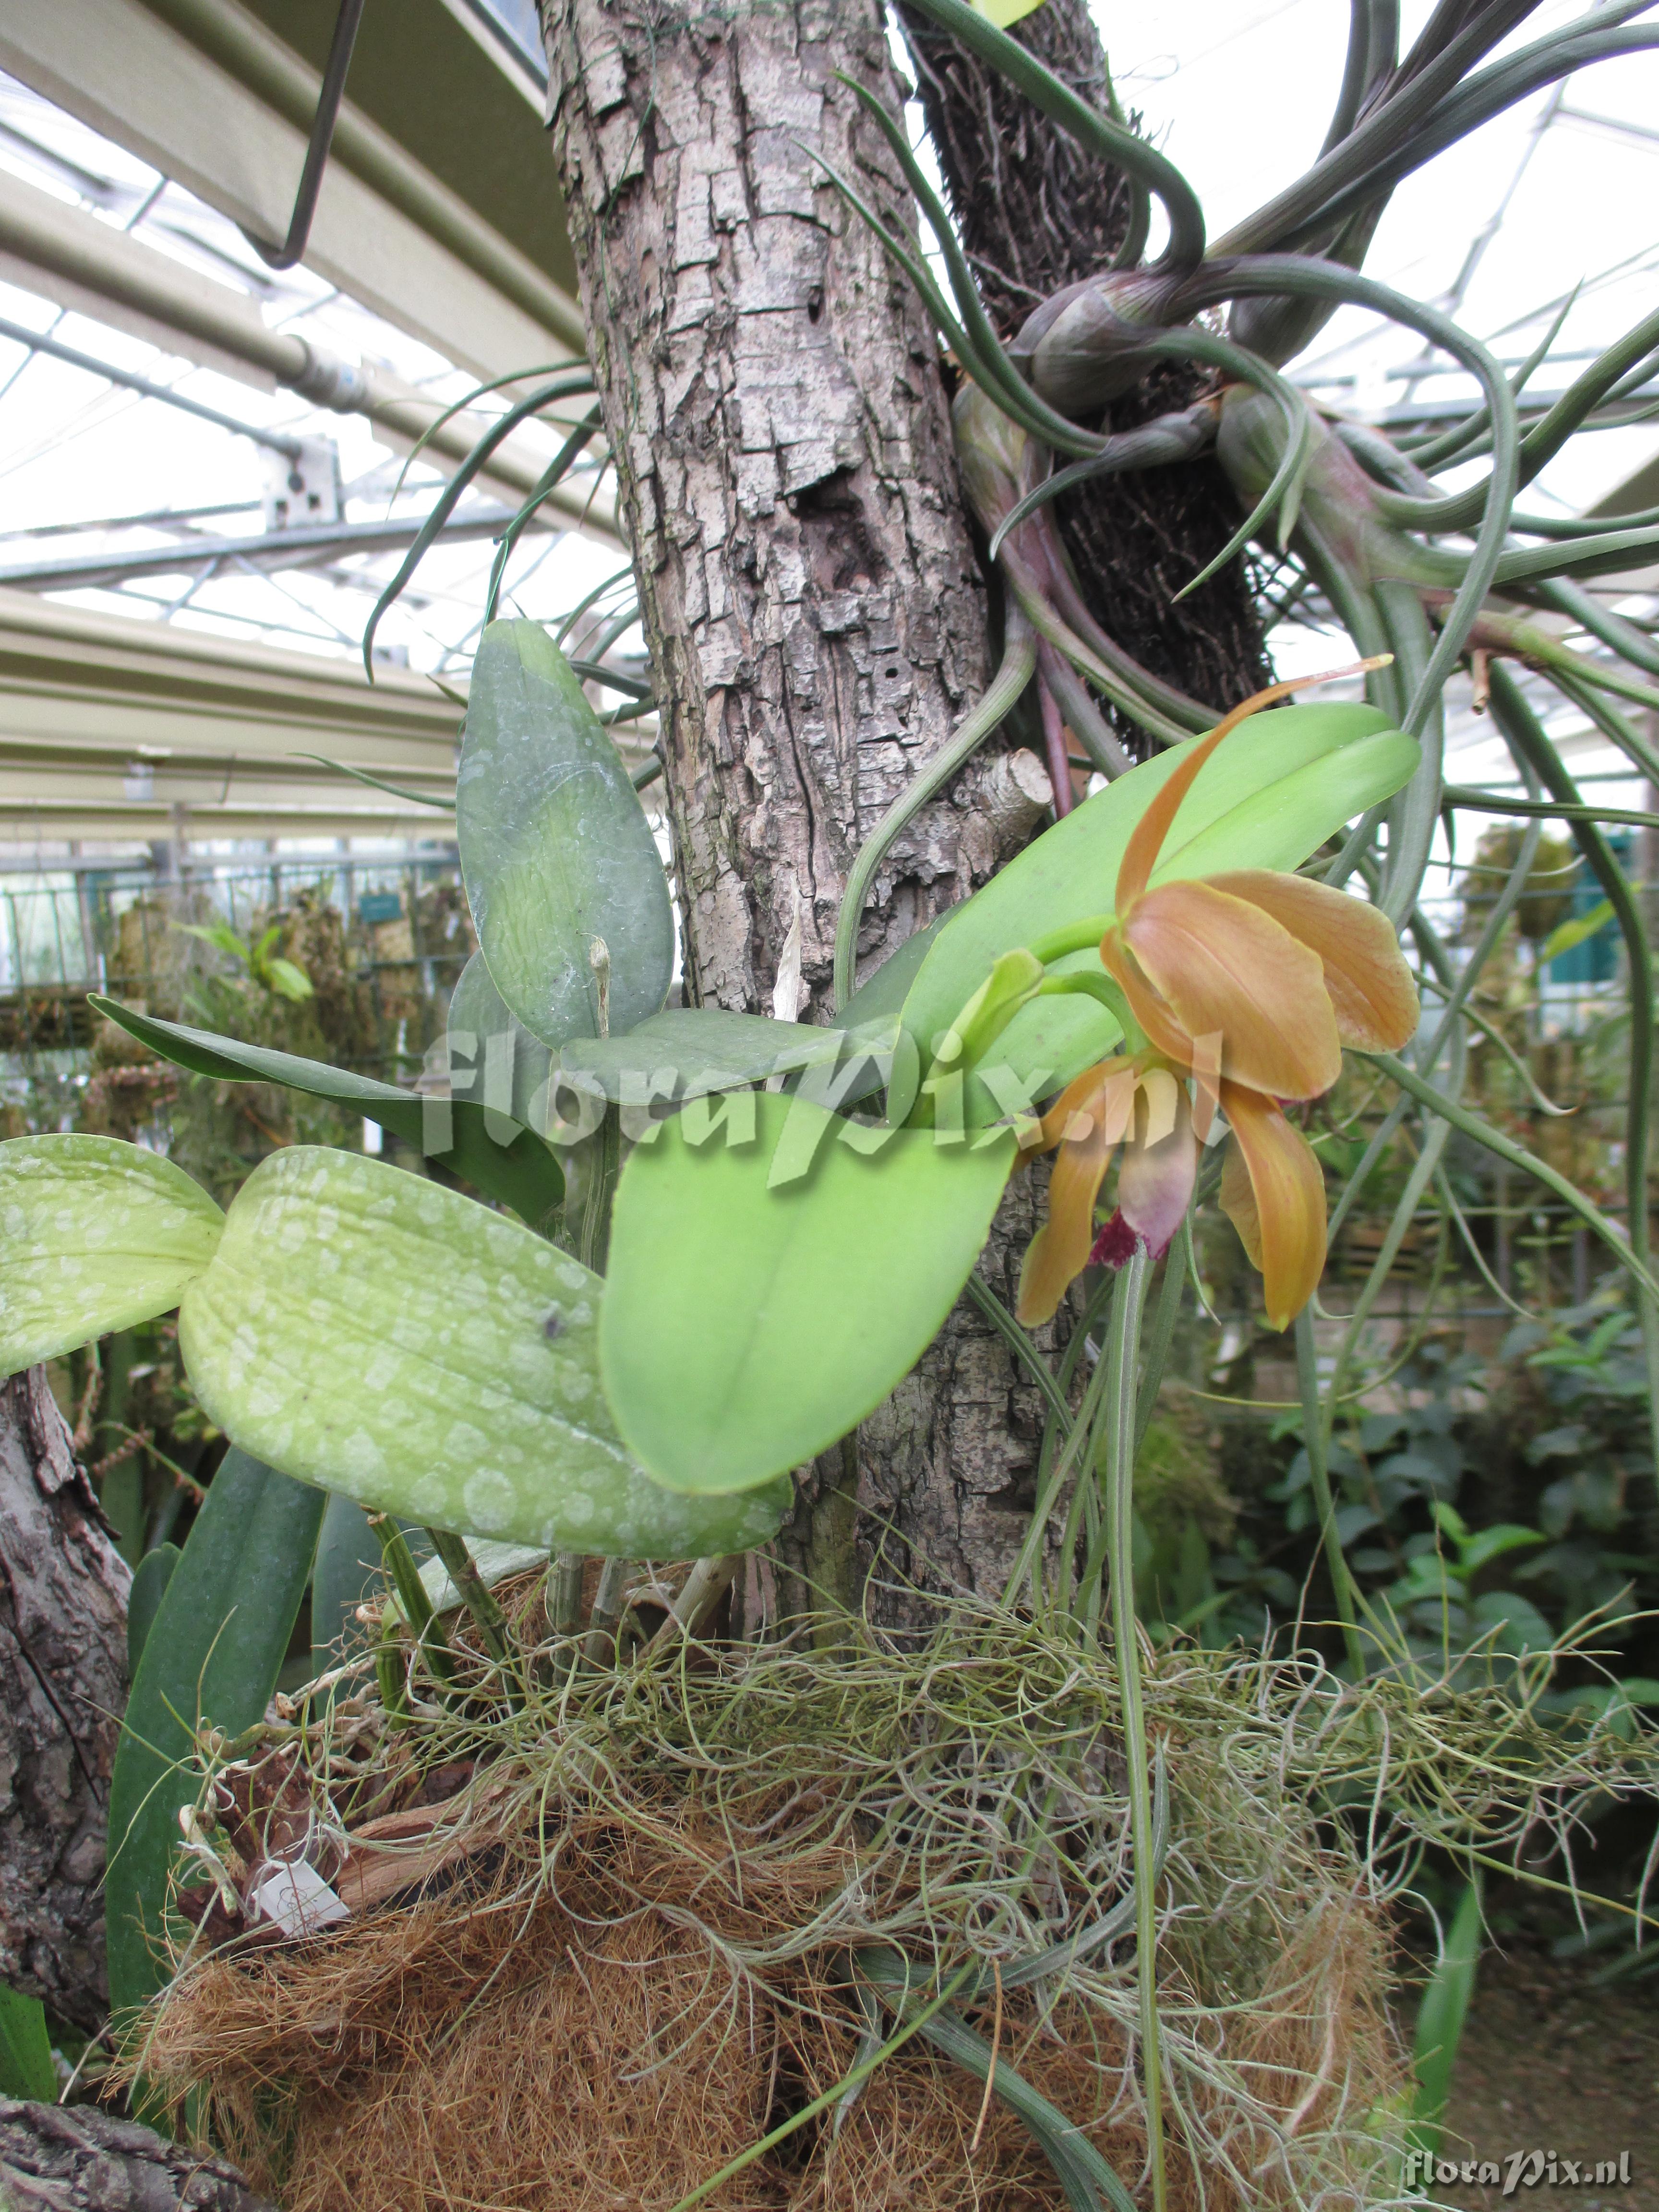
{"points": [[291, 251], [67, 244], [38, 342], [84, 571]]}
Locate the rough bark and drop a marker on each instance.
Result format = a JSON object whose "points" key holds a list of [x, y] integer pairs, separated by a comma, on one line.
{"points": [[55, 2157], [816, 618], [1034, 213], [63, 1687]]}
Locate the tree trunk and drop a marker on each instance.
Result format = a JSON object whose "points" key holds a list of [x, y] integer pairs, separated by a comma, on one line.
{"points": [[1036, 212], [76, 2158], [815, 614], [63, 1687]]}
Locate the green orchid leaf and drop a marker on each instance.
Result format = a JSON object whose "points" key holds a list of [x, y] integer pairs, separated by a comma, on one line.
{"points": [[150, 1578], [556, 850], [348, 1574], [689, 1052], [97, 1235], [388, 1338], [516, 1168], [883, 991], [765, 1295], [211, 1658], [26, 2066], [1269, 797], [506, 1069]]}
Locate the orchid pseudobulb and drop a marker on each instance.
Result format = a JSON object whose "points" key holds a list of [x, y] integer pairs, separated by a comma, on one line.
{"points": [[1249, 983]]}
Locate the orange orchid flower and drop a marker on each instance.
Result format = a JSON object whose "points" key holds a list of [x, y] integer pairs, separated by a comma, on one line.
{"points": [[1251, 981]]}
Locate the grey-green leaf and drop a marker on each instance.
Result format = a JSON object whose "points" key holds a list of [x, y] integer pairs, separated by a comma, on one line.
{"points": [[376, 1334], [94, 1235], [211, 1657], [555, 849], [515, 1167], [506, 1069]]}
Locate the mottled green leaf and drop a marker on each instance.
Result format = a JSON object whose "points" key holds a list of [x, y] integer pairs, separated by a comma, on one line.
{"points": [[555, 849], [211, 1657], [524, 1173], [764, 1297], [1267, 798], [94, 1235], [372, 1332]]}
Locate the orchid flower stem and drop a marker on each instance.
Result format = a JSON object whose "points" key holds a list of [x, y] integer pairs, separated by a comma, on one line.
{"points": [[1164, 1317], [1314, 1443], [1118, 1531]]}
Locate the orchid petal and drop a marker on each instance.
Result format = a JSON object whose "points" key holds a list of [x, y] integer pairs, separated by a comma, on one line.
{"points": [[1372, 990], [1081, 1095], [1222, 964], [1059, 1252], [1145, 841], [1273, 1192], [1155, 1181], [1149, 1006]]}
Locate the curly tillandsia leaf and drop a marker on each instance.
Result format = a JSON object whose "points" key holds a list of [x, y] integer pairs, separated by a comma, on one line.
{"points": [[984, 351], [1167, 438], [449, 497], [556, 850], [1357, 164], [1437, 451], [1561, 54], [1019, 662], [1531, 744], [210, 1659], [574, 446], [97, 1235], [449, 1361], [512, 1165], [1111, 141], [1542, 442], [768, 1288], [380, 783]]}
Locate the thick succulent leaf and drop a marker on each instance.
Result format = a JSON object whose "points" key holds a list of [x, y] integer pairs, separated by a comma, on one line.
{"points": [[524, 1173], [94, 1235], [689, 1052], [755, 1312], [376, 1334], [505, 1070], [555, 849], [495, 1563], [1268, 798], [212, 1656]]}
